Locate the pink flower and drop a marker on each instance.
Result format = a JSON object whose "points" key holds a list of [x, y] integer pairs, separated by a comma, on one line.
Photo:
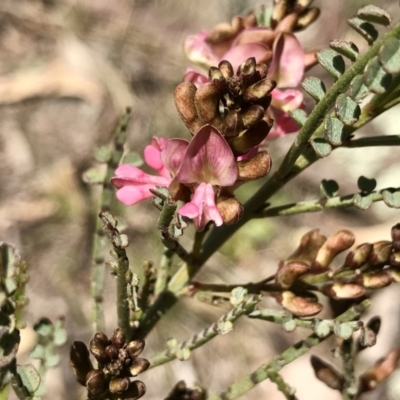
{"points": [[208, 162], [202, 208], [164, 156], [204, 165], [287, 66]]}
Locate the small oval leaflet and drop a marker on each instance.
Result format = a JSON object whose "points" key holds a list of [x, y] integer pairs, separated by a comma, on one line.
{"points": [[299, 116], [329, 188], [347, 110], [363, 202], [323, 328], [314, 87], [183, 354], [29, 376], [389, 56], [365, 184], [347, 49], [343, 330], [374, 14], [321, 147], [224, 327], [334, 131], [391, 197], [332, 61], [238, 295], [358, 90], [376, 78], [365, 29]]}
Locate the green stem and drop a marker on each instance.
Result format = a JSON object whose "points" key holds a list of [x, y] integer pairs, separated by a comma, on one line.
{"points": [[374, 141], [292, 353], [316, 205], [350, 389], [4, 392], [99, 240], [121, 270], [207, 334], [163, 271]]}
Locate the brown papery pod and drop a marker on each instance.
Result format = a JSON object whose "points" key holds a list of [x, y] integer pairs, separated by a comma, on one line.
{"points": [[138, 366], [380, 254], [226, 68], [395, 259], [259, 90], [310, 243], [298, 306], [184, 103], [279, 12], [370, 379], [230, 208], [307, 18], [206, 100], [344, 290], [232, 124], [395, 232], [119, 385], [334, 245], [357, 257], [224, 32], [95, 382], [252, 137], [252, 115], [327, 374], [136, 390], [254, 168], [135, 347], [288, 273], [247, 67], [375, 280], [80, 361]]}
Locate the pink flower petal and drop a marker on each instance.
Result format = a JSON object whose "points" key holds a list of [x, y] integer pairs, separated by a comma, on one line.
{"points": [[130, 195], [287, 66], [286, 100], [202, 208], [152, 156], [256, 35], [195, 77], [283, 125], [199, 52], [208, 159], [173, 154], [238, 54], [134, 184]]}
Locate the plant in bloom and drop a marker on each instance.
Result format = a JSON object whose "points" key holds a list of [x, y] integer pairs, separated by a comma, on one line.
{"points": [[222, 153], [276, 45]]}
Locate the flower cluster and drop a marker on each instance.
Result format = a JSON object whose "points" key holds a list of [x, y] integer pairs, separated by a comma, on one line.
{"points": [[118, 363], [227, 118], [252, 73], [276, 45]]}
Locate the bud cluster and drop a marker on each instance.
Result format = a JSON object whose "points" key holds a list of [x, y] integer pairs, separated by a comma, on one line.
{"points": [[234, 103], [118, 363], [368, 266], [182, 392]]}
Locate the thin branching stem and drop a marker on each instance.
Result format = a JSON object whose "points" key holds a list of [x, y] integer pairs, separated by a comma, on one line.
{"points": [[317, 205], [99, 240], [292, 353], [207, 334]]}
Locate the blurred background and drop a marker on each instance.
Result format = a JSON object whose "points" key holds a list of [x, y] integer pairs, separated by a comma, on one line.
{"points": [[67, 70]]}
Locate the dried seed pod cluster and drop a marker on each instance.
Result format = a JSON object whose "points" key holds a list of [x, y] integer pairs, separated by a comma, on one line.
{"points": [[118, 362], [235, 104], [368, 266]]}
